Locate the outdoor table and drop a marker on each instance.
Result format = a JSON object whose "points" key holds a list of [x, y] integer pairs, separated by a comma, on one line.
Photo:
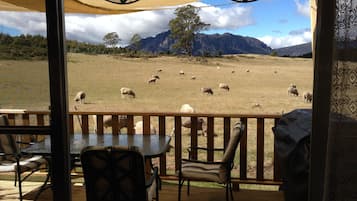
{"points": [[149, 145]]}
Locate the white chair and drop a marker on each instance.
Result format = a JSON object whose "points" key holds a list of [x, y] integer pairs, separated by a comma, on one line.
{"points": [[219, 171]]}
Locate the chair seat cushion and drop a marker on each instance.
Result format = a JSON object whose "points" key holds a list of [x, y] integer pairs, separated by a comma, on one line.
{"points": [[201, 171], [26, 164]]}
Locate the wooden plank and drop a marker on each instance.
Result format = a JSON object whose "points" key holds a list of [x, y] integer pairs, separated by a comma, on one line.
{"points": [[243, 151], [146, 125], [100, 125], [226, 131], [210, 138], [85, 125], [25, 122], [260, 149], [178, 142], [162, 132], [70, 124], [130, 127], [40, 121], [11, 118], [194, 121], [276, 162], [115, 125]]}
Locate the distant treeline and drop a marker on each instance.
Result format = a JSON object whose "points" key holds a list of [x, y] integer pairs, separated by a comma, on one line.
{"points": [[34, 47]]}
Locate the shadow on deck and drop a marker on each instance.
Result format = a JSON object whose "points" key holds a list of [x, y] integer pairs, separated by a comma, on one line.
{"points": [[168, 193]]}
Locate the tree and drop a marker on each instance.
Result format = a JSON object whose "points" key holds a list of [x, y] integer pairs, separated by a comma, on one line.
{"points": [[111, 39], [184, 27], [135, 41]]}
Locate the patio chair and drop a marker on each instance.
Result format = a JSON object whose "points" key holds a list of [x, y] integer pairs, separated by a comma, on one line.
{"points": [[219, 172], [12, 160], [117, 174]]}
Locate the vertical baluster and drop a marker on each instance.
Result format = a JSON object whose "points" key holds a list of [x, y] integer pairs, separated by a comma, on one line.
{"points": [[130, 127], [243, 151], [146, 125], [40, 118], [277, 170], [85, 125], [226, 131], [115, 125], [194, 121], [162, 132], [100, 124], [178, 142], [260, 149], [210, 138]]}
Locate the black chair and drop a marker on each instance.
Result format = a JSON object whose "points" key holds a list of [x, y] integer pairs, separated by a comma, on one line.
{"points": [[117, 174], [12, 160], [219, 172]]}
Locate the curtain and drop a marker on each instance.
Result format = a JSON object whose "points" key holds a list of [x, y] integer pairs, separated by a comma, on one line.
{"points": [[341, 152]]}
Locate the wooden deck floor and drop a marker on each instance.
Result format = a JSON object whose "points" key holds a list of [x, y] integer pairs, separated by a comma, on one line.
{"points": [[168, 193]]}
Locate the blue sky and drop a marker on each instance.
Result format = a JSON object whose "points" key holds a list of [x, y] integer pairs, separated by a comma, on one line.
{"points": [[278, 23]]}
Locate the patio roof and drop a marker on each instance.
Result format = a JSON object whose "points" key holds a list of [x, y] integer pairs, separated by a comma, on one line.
{"points": [[91, 6]]}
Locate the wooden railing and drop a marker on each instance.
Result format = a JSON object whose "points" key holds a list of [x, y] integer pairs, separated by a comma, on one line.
{"points": [[252, 150]]}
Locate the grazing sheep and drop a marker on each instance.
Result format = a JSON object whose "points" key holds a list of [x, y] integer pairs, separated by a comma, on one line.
{"points": [[292, 90], [223, 86], [187, 108], [207, 90], [247, 70], [155, 76], [124, 91], [181, 72], [80, 96], [256, 105], [193, 77], [139, 128], [201, 125], [152, 80], [108, 122], [233, 71], [308, 97], [159, 70]]}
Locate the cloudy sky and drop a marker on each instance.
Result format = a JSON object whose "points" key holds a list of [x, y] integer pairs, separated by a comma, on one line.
{"points": [[278, 23]]}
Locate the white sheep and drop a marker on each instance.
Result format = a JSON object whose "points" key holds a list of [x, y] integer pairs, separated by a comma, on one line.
{"points": [[308, 97], [155, 76], [201, 125], [193, 77], [223, 86], [181, 72], [139, 128], [80, 96], [125, 91], [207, 90], [108, 122]]}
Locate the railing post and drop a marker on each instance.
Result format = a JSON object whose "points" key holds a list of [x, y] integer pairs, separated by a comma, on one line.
{"points": [[99, 123], [178, 143], [194, 131], [162, 132], [260, 149], [210, 138], [243, 151]]}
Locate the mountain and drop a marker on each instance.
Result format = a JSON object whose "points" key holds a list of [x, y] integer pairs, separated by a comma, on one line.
{"points": [[302, 50], [209, 45]]}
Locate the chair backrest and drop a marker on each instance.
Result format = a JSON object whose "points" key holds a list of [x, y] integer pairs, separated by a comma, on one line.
{"points": [[231, 148], [113, 173], [7, 141]]}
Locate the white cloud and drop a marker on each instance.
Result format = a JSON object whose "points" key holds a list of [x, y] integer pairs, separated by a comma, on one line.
{"points": [[295, 38], [303, 7], [92, 28]]}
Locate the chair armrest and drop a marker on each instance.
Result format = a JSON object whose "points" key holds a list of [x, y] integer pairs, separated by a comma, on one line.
{"points": [[27, 143], [153, 177], [204, 162], [189, 149]]}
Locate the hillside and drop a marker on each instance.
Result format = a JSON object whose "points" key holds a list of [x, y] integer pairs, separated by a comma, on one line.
{"points": [[302, 50], [208, 45]]}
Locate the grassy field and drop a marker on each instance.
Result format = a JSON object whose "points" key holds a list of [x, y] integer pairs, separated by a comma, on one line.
{"points": [[258, 84], [25, 83]]}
